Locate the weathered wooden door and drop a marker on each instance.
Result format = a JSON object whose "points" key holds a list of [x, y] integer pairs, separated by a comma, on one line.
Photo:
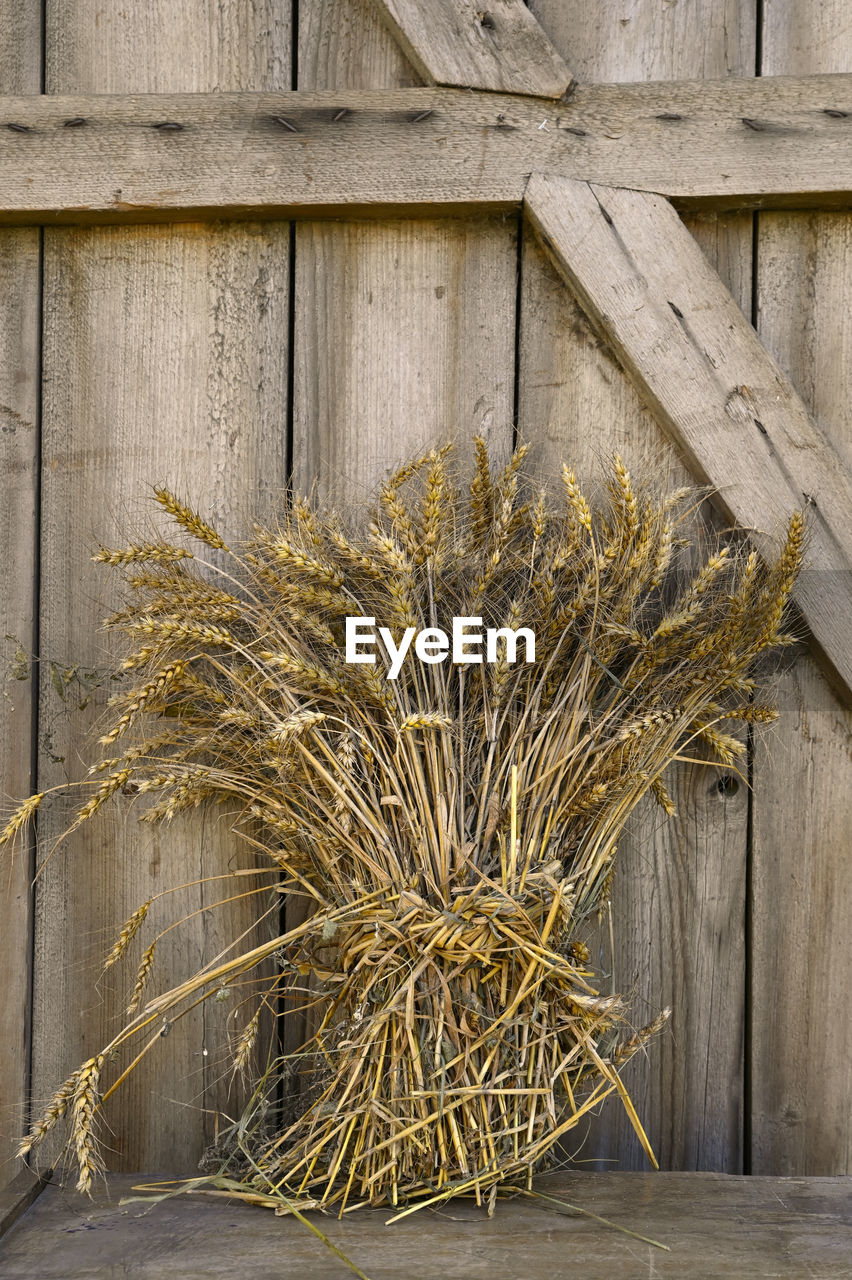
{"points": [[222, 292]]}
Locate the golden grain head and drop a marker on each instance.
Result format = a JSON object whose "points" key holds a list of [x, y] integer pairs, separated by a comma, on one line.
{"points": [[143, 973], [189, 519], [161, 552], [21, 817], [128, 932]]}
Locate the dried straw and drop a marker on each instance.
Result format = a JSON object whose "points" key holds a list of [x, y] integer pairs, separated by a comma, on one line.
{"points": [[454, 830]]}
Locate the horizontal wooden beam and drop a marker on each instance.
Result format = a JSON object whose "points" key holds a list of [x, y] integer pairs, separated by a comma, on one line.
{"points": [[458, 42], [764, 143], [648, 289]]}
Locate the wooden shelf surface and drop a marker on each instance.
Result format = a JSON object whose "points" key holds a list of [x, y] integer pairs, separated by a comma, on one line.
{"points": [[715, 1225]]}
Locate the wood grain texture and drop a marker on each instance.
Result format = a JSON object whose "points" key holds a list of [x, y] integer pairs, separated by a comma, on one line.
{"points": [[714, 1228], [20, 63], [403, 331], [165, 361], [19, 446], [16, 1196], [801, 1044], [677, 906], [608, 43], [346, 47], [407, 341], [807, 37], [148, 378], [166, 46], [678, 899], [679, 894], [734, 416], [783, 142], [456, 42]]}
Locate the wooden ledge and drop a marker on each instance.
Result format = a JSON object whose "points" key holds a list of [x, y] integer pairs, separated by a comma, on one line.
{"points": [[715, 1226], [17, 1195], [765, 143]]}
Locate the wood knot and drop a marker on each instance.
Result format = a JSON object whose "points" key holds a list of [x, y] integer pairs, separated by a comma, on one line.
{"points": [[738, 405]]}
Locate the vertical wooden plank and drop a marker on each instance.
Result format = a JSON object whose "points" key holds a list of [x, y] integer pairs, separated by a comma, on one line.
{"points": [[165, 361], [167, 46], [607, 43], [20, 284], [407, 340], [347, 46], [679, 897], [404, 331], [801, 1034]]}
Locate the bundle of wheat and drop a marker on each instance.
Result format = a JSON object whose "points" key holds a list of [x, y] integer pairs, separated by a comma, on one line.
{"points": [[453, 827]]}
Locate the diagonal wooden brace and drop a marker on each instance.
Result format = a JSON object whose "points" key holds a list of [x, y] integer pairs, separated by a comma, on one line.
{"points": [[696, 360], [477, 44]]}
